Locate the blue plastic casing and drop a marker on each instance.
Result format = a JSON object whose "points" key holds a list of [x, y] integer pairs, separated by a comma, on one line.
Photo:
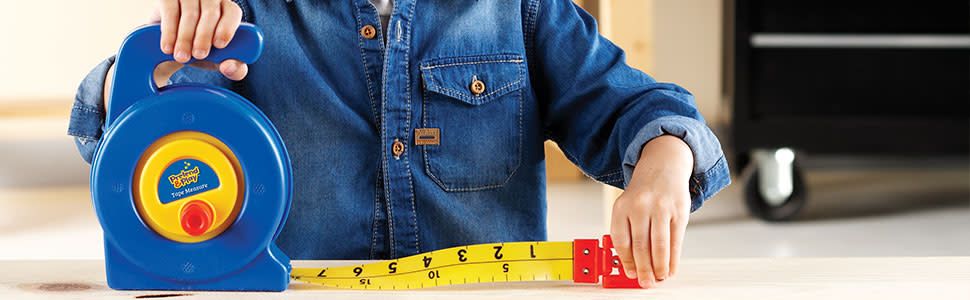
{"points": [[244, 256]]}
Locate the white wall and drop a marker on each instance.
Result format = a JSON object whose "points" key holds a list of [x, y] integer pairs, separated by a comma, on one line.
{"points": [[687, 51], [47, 47]]}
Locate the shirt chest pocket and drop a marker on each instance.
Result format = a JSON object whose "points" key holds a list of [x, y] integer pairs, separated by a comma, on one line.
{"points": [[473, 120]]}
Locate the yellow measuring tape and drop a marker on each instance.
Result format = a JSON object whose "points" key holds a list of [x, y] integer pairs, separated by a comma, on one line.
{"points": [[580, 261]]}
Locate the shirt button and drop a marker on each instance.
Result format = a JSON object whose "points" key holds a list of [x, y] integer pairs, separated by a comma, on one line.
{"points": [[477, 87], [397, 148], [368, 31]]}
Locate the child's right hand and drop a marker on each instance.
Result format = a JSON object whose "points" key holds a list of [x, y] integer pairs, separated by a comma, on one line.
{"points": [[191, 27]]}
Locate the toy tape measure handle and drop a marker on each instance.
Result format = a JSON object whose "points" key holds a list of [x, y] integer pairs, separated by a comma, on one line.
{"points": [[140, 54], [590, 261]]}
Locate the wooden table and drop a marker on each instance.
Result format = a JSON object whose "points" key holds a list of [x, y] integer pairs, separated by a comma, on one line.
{"points": [[757, 278]]}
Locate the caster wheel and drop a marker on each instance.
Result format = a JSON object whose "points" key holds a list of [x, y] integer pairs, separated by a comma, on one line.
{"points": [[779, 208]]}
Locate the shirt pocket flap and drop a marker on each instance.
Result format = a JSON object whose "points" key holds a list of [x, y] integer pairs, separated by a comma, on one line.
{"points": [[454, 76]]}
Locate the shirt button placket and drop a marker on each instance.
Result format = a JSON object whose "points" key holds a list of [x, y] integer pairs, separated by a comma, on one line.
{"points": [[395, 128]]}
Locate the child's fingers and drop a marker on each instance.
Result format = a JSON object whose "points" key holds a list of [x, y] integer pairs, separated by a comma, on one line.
{"points": [[620, 234], [226, 29], [168, 13], [234, 69], [660, 244], [678, 229], [186, 32], [210, 12], [640, 233]]}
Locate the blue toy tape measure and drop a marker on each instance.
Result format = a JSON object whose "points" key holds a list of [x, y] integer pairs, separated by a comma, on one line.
{"points": [[191, 182]]}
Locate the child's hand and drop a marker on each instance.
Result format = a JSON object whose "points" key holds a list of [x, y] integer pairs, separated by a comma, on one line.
{"points": [[650, 217], [191, 27]]}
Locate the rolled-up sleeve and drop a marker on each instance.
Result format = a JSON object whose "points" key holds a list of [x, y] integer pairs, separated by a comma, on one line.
{"points": [[601, 111], [710, 173], [87, 114]]}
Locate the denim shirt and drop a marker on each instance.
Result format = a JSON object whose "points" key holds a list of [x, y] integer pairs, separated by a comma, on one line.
{"points": [[341, 100]]}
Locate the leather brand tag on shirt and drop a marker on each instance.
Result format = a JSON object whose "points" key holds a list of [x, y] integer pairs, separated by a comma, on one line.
{"points": [[427, 136]]}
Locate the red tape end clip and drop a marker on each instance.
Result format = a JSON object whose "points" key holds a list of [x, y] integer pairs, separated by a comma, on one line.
{"points": [[590, 261]]}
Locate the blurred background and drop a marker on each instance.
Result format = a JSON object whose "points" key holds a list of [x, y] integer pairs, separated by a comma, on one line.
{"points": [[846, 126]]}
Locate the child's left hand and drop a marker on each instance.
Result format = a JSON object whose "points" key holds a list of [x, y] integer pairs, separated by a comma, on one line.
{"points": [[650, 216]]}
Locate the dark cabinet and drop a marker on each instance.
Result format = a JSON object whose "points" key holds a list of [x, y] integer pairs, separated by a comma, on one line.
{"points": [[850, 77]]}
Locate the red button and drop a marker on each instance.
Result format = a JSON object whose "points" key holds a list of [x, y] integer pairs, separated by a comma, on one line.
{"points": [[196, 218]]}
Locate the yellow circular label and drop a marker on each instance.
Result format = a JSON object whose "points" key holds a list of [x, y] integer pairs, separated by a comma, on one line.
{"points": [[179, 168]]}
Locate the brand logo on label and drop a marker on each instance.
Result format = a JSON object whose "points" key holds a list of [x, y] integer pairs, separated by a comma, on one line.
{"points": [[184, 177]]}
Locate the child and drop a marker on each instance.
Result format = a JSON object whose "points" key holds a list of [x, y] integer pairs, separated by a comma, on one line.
{"points": [[429, 133]]}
